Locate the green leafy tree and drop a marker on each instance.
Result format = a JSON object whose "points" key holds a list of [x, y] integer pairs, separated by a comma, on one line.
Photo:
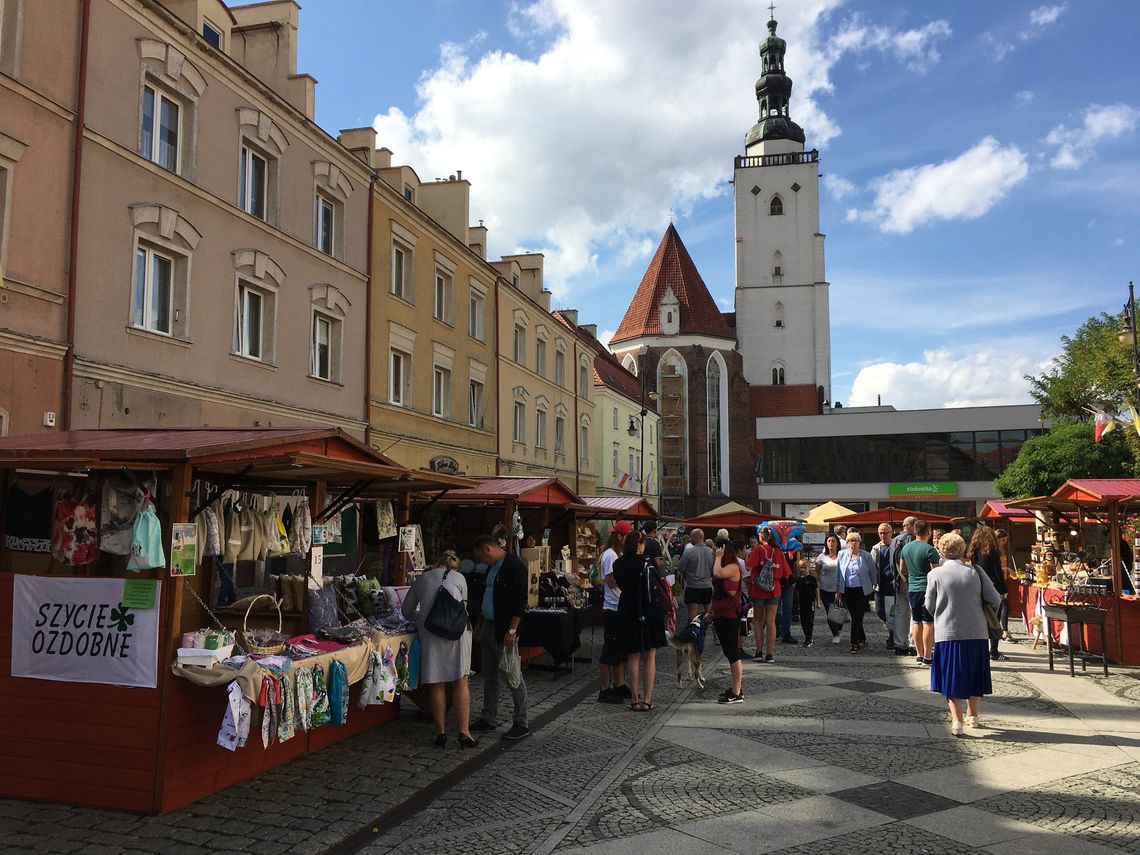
{"points": [[1046, 462], [1094, 369]]}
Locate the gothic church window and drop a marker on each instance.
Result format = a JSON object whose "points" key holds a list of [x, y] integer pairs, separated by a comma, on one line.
{"points": [[776, 207]]}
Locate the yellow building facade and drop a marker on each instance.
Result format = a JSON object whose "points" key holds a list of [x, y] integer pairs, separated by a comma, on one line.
{"points": [[627, 467]]}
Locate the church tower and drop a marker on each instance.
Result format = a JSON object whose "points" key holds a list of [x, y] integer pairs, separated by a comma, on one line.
{"points": [[782, 314]]}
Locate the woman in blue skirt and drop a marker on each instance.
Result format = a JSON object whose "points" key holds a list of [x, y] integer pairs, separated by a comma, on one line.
{"points": [[960, 669]]}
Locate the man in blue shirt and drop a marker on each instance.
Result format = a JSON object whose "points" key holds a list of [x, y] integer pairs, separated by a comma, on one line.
{"points": [[504, 604]]}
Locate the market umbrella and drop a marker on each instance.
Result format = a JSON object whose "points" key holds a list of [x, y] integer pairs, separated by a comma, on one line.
{"points": [[886, 515], [816, 519], [729, 515]]}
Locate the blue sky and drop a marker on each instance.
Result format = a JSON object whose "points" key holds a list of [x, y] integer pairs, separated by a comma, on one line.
{"points": [[981, 160]]}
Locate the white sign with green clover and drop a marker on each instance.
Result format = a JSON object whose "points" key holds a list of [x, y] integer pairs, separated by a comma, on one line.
{"points": [[86, 630]]}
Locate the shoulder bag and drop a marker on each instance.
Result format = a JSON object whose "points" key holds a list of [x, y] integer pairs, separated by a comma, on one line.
{"points": [[993, 625], [448, 616]]}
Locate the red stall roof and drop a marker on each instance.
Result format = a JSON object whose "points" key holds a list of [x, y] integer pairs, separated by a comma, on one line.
{"points": [[888, 514], [995, 509], [1097, 489], [630, 507], [522, 489]]}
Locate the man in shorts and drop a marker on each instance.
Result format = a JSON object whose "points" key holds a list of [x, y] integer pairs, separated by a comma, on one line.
{"points": [[920, 558], [696, 574]]}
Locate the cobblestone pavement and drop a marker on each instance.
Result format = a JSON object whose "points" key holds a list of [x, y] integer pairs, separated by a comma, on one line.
{"points": [[829, 752]]}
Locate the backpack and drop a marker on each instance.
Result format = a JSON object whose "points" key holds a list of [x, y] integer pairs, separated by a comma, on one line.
{"points": [[146, 540], [653, 604], [763, 581], [448, 616]]}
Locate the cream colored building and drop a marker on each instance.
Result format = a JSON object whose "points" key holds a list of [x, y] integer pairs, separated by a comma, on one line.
{"points": [[222, 256], [432, 354], [39, 51], [546, 408], [626, 466]]}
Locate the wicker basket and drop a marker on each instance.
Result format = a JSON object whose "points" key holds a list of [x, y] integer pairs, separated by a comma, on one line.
{"points": [[251, 645]]}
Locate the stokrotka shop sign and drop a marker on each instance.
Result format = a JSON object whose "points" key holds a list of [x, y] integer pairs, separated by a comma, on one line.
{"points": [[86, 630]]}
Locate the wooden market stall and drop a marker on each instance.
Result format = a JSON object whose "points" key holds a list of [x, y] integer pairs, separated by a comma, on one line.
{"points": [[148, 746], [1085, 559], [618, 508], [733, 516]]}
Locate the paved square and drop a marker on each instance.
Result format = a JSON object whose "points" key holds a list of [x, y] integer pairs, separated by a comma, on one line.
{"points": [[897, 801]]}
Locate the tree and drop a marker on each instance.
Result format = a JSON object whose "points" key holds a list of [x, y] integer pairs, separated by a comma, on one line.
{"points": [[1046, 462], [1094, 369]]}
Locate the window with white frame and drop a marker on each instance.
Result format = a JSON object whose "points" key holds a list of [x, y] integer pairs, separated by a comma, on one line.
{"points": [[519, 432], [560, 367], [520, 344], [402, 271], [255, 180], [326, 347], [253, 337], [617, 452], [633, 473], [584, 380], [477, 314], [559, 434], [616, 426], [442, 301], [152, 306], [325, 218], [399, 378], [540, 356], [475, 393], [212, 34], [164, 242], [540, 428], [160, 134], [441, 392], [584, 442]]}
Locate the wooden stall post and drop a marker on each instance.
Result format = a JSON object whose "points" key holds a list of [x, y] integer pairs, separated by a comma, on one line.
{"points": [[179, 509], [1117, 571]]}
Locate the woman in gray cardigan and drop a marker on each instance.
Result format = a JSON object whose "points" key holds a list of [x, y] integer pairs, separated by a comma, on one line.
{"points": [[854, 583], [961, 663]]}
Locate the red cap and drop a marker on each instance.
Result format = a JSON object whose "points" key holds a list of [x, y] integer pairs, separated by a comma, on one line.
{"points": [[623, 527]]}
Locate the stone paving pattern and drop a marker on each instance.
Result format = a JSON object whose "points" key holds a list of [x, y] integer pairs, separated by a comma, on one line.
{"points": [[829, 753]]}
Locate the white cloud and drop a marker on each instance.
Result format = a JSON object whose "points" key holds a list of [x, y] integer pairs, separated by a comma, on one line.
{"points": [[1024, 97], [1043, 16], [838, 186], [1001, 49], [619, 116], [1075, 145], [963, 188], [604, 337], [982, 377]]}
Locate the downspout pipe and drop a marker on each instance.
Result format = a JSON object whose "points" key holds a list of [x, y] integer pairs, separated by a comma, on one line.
{"points": [[498, 391], [368, 326], [76, 185]]}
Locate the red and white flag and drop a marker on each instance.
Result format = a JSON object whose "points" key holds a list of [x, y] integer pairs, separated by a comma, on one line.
{"points": [[1103, 423]]}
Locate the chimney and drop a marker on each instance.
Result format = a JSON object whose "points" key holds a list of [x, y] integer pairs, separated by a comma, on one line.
{"points": [[264, 42], [571, 315], [477, 240], [592, 329], [361, 142]]}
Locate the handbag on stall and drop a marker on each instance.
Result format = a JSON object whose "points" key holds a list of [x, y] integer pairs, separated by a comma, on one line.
{"points": [[146, 540]]}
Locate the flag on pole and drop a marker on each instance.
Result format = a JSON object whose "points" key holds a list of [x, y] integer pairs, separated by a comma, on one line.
{"points": [[1135, 418], [649, 477], [622, 480], [1103, 423]]}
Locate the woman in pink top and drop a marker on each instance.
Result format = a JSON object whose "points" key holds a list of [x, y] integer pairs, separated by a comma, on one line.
{"points": [[726, 615]]}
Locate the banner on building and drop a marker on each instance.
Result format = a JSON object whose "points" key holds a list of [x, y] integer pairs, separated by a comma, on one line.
{"points": [[85, 631]]}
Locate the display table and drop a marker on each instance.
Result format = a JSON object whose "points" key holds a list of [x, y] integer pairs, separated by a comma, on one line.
{"points": [[1120, 639], [555, 630], [1082, 616]]}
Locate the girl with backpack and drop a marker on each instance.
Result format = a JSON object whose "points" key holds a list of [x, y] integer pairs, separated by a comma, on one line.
{"points": [[769, 569], [640, 618]]}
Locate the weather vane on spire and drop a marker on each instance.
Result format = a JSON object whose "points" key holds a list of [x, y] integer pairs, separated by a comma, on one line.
{"points": [[772, 11]]}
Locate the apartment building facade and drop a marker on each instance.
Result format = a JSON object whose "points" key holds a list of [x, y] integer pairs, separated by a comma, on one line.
{"points": [[546, 407], [222, 256], [39, 60], [627, 465], [433, 336]]}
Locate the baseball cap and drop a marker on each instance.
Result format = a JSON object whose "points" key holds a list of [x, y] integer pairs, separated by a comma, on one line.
{"points": [[623, 527]]}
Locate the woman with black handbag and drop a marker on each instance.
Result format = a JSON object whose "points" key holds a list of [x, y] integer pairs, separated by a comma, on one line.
{"points": [[640, 618], [445, 644]]}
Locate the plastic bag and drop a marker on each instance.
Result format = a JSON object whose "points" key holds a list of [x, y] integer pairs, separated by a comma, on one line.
{"points": [[510, 666]]}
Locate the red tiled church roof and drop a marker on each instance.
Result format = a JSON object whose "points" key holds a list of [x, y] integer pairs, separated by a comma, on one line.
{"points": [[612, 374], [672, 267]]}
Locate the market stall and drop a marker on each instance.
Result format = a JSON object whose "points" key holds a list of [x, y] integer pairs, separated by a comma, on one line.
{"points": [[117, 608], [816, 519], [539, 520], [1019, 525], [618, 508], [1083, 562]]}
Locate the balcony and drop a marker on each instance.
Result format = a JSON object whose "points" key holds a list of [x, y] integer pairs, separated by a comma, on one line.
{"points": [[790, 159]]}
